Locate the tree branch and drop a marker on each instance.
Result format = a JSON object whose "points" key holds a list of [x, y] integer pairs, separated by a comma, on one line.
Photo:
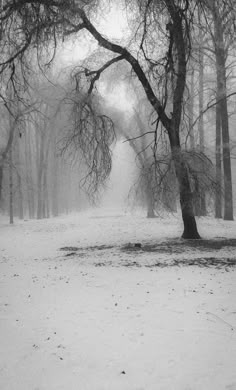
{"points": [[210, 106], [98, 72], [115, 48]]}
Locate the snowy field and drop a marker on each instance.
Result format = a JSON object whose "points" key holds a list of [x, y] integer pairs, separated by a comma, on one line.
{"points": [[84, 308]]}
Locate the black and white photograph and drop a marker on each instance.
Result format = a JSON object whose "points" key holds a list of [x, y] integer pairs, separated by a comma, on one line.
{"points": [[117, 194]]}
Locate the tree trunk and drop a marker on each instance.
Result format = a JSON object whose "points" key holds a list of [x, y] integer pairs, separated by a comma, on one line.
{"points": [[186, 196], [1, 181], [20, 197], [29, 173], [220, 55], [55, 187], [228, 190], [10, 187], [19, 181], [40, 163], [218, 195], [46, 213], [149, 199], [190, 110], [201, 194]]}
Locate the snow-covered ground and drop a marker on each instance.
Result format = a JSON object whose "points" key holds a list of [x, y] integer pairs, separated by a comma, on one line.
{"points": [[95, 317]]}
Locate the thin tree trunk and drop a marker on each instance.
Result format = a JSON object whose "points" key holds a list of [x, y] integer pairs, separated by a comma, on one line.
{"points": [[45, 195], [228, 190], [218, 195], [201, 193], [220, 55], [20, 197], [29, 174], [149, 198], [10, 187], [55, 207], [1, 181], [19, 181], [190, 111], [40, 175]]}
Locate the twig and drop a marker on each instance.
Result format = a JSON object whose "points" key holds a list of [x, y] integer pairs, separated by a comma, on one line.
{"points": [[220, 319]]}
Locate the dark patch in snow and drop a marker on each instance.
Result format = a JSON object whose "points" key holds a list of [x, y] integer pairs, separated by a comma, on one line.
{"points": [[69, 248], [132, 247], [199, 261], [179, 245], [71, 254], [188, 249], [74, 249], [98, 247]]}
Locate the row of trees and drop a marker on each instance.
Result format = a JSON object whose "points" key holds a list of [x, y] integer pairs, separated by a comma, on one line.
{"points": [[37, 180], [168, 43]]}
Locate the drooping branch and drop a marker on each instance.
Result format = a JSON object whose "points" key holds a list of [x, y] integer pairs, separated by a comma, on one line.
{"points": [[92, 135]]}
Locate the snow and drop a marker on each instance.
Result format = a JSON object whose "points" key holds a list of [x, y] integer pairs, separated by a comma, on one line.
{"points": [[82, 319]]}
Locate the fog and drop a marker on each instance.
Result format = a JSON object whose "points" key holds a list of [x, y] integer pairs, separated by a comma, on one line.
{"points": [[123, 175]]}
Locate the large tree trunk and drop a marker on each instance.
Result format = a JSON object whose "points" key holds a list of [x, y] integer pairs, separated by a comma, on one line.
{"points": [[186, 196]]}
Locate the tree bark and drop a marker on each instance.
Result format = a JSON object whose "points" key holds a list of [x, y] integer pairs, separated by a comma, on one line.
{"points": [[190, 110], [40, 176], [218, 195], [10, 188], [55, 206], [149, 198], [29, 172], [1, 181], [201, 193], [186, 196], [220, 55]]}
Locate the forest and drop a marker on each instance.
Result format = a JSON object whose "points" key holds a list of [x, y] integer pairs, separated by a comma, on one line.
{"points": [[117, 194], [172, 63]]}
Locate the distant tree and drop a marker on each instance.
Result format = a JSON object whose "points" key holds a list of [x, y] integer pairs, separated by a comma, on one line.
{"points": [[221, 27]]}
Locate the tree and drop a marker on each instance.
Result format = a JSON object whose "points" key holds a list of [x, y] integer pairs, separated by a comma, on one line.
{"points": [[223, 15], [178, 28]]}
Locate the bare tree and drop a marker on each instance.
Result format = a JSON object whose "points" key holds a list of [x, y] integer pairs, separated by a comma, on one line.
{"points": [[178, 37], [222, 31]]}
